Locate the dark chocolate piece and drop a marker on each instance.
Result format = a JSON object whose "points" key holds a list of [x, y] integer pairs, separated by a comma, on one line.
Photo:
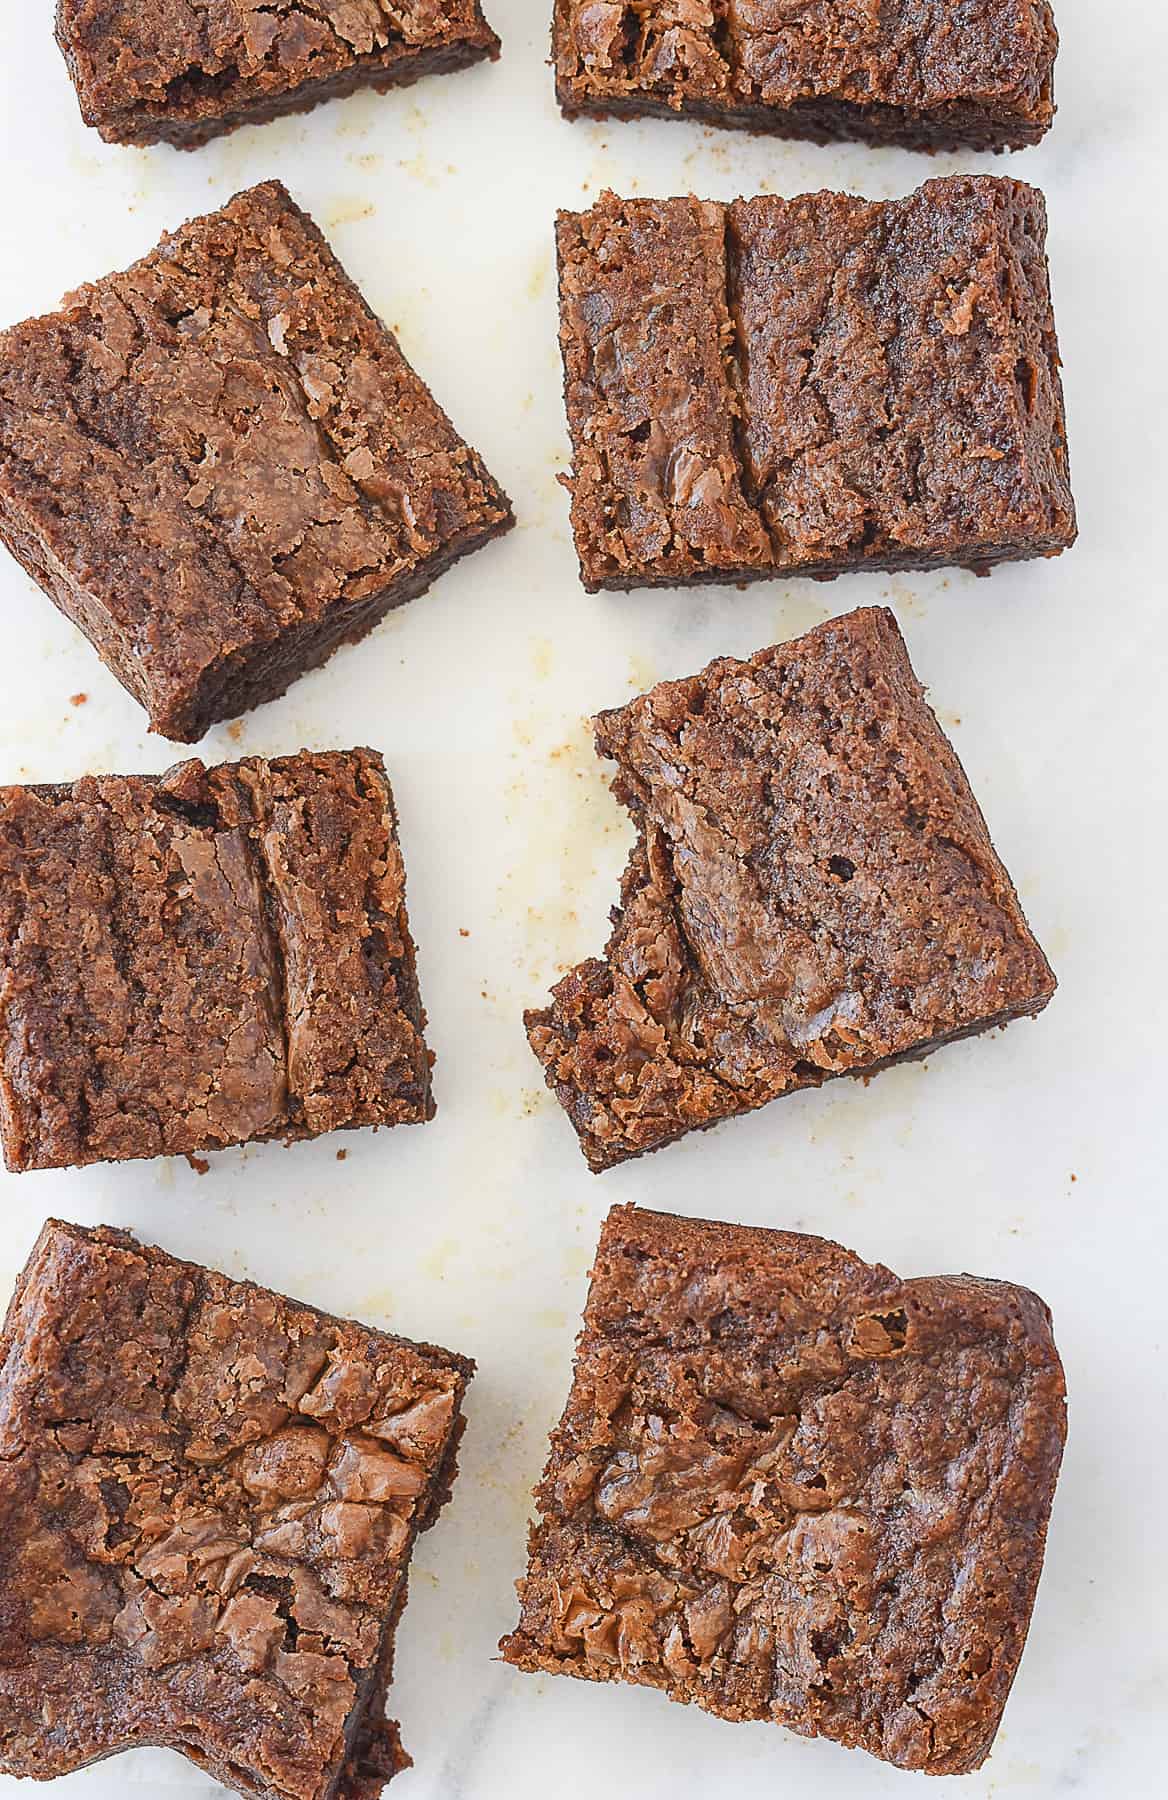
{"points": [[205, 958], [813, 892], [209, 1497], [789, 1486], [221, 467]]}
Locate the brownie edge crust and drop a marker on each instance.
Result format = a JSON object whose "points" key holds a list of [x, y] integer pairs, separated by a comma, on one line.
{"points": [[789, 1486], [209, 1496], [813, 893]]}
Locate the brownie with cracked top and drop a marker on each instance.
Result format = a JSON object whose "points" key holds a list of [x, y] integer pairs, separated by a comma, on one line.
{"points": [[205, 958], [789, 1486], [209, 1495], [221, 467], [813, 892], [182, 71], [923, 74], [809, 386]]}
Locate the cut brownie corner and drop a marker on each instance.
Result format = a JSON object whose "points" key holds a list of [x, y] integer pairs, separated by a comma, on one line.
{"points": [[210, 1496], [813, 893], [788, 1486], [210, 957], [219, 465]]}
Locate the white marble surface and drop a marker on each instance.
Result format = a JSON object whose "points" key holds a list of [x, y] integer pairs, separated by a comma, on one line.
{"points": [[1037, 1155]]}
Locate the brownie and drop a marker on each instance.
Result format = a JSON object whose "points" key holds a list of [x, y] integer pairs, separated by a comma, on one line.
{"points": [[183, 71], [209, 1497], [924, 74], [789, 1486], [813, 892], [220, 466], [803, 387], [204, 958]]}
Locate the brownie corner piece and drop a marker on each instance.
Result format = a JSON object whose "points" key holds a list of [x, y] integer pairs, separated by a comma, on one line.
{"points": [[220, 466], [902, 75], [813, 893], [789, 1486], [812, 386], [210, 957], [210, 1496], [160, 71]]}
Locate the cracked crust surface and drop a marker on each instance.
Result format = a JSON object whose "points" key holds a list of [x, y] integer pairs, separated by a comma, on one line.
{"points": [[925, 74], [209, 1495], [813, 892], [807, 386], [205, 958], [789, 1486], [220, 466], [184, 71]]}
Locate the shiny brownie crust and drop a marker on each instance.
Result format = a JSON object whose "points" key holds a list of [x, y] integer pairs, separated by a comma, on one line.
{"points": [[788, 1486]]}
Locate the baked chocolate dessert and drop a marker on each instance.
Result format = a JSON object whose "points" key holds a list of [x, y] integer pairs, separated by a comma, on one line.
{"points": [[789, 1486], [813, 892]]}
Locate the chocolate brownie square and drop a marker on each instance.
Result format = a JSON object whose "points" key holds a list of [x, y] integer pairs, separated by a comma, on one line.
{"points": [[209, 1497], [221, 467], [167, 71], [813, 892], [788, 1486], [204, 958], [809, 386], [924, 74]]}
